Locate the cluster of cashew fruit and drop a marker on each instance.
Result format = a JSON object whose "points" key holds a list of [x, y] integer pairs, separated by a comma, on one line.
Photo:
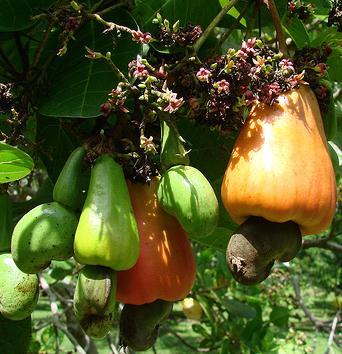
{"points": [[132, 239]]}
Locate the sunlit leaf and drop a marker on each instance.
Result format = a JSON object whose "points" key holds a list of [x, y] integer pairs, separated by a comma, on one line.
{"points": [[14, 163]]}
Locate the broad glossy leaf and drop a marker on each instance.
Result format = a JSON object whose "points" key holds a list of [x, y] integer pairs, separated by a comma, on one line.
{"points": [[9, 47], [16, 15], [251, 16], [80, 85], [15, 336], [296, 30], [14, 163], [56, 144], [334, 65], [280, 316], [335, 156], [239, 309], [327, 35], [217, 239], [183, 10], [322, 7]]}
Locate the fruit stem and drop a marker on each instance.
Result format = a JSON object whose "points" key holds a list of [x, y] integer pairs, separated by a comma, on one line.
{"points": [[278, 27], [172, 147], [213, 24]]}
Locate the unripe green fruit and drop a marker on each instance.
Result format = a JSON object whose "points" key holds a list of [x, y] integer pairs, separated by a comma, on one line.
{"points": [[94, 300], [107, 232], [18, 292], [185, 193], [43, 234], [68, 188]]}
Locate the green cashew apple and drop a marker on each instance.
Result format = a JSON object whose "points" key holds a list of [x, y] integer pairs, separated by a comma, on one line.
{"points": [[68, 188], [5, 222], [139, 324], [185, 193], [43, 234], [19, 291], [15, 336], [94, 300], [107, 233]]}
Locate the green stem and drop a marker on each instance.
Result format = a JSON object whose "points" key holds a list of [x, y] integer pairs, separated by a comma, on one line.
{"points": [[42, 44], [213, 24], [111, 25], [117, 71]]}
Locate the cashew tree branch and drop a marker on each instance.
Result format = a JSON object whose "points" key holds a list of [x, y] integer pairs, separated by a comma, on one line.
{"points": [[213, 24]]}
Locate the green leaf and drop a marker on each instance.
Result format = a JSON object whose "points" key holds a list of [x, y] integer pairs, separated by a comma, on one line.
{"points": [[334, 65], [322, 7], [200, 330], [329, 119], [236, 13], [217, 239], [14, 163], [326, 35], [297, 32], [335, 156], [80, 85], [206, 306], [239, 309], [15, 336], [56, 144], [183, 10], [225, 346], [61, 269], [16, 15], [280, 316]]}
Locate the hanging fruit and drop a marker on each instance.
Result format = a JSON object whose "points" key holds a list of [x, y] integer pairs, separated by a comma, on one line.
{"points": [[43, 234], [94, 300], [183, 191], [280, 171], [68, 188], [192, 309], [166, 266], [19, 291], [139, 324], [107, 232]]}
